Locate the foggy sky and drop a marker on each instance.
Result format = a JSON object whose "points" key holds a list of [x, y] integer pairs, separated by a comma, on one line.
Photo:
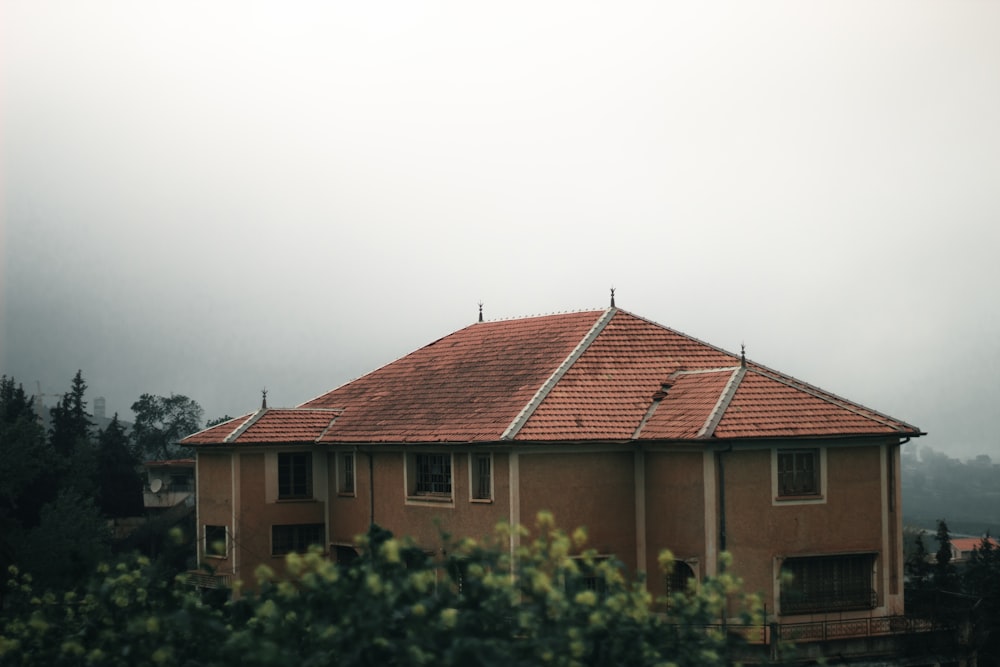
{"points": [[209, 198]]}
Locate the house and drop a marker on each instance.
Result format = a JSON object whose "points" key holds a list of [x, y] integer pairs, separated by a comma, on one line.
{"points": [[168, 483], [650, 438], [962, 548]]}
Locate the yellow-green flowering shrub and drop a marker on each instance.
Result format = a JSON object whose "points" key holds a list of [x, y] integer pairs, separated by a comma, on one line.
{"points": [[550, 602]]}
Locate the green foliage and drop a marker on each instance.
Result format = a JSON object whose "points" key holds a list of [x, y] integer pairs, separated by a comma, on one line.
{"points": [[917, 567], [549, 602], [71, 425], [945, 575], [160, 422], [120, 488]]}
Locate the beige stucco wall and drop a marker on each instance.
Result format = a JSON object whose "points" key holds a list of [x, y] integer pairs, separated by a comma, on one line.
{"points": [[760, 531], [584, 488], [675, 512]]}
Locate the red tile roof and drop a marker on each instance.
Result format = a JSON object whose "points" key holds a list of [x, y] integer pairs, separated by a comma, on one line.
{"points": [[969, 543], [588, 376], [268, 425]]}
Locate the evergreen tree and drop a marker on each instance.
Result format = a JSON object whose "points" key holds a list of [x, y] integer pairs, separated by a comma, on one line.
{"points": [[71, 425], [945, 577], [119, 480], [26, 459], [917, 566]]}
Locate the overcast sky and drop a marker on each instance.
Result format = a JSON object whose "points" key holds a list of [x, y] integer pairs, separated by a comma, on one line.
{"points": [[209, 198]]}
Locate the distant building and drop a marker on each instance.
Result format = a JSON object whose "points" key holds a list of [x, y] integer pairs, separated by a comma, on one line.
{"points": [[168, 484]]}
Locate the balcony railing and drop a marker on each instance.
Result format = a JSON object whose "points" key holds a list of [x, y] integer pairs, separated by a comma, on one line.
{"points": [[816, 631]]}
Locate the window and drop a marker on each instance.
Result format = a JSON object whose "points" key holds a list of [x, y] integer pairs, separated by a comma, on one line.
{"points": [[294, 475], [480, 467], [593, 578], [181, 482], [433, 474], [827, 583], [799, 472], [677, 580], [345, 474], [297, 537], [215, 541], [345, 555]]}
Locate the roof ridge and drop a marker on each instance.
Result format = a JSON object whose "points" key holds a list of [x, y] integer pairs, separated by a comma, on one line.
{"points": [[240, 430], [515, 318], [725, 398], [529, 409], [839, 401]]}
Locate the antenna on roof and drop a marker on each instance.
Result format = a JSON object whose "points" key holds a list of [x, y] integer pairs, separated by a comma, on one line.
{"points": [[263, 401], [612, 297], [743, 355], [480, 311]]}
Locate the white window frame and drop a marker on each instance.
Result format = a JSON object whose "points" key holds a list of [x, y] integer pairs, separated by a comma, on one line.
{"points": [[812, 499], [474, 476], [342, 469], [207, 548]]}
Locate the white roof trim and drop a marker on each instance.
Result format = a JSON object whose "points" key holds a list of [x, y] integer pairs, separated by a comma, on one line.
{"points": [[725, 398], [547, 386]]}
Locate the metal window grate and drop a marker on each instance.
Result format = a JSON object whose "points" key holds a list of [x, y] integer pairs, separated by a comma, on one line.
{"points": [[798, 473], [482, 485], [433, 473], [828, 583]]}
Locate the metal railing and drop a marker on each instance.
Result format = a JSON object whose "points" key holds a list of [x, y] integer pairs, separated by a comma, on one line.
{"points": [[816, 631]]}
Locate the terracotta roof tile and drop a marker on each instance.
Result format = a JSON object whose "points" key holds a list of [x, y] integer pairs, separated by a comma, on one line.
{"points": [[271, 426], [588, 376], [466, 387], [688, 406]]}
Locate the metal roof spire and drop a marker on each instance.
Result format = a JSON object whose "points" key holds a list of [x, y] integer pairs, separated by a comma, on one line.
{"points": [[612, 297], [743, 355], [263, 401], [480, 311]]}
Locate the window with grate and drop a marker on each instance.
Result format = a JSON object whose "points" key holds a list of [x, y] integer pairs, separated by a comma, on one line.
{"points": [[798, 473], [433, 474], [827, 583], [295, 537], [294, 475], [680, 575], [482, 483]]}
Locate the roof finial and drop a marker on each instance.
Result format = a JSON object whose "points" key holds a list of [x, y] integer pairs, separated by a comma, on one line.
{"points": [[743, 355], [480, 311], [612, 297], [263, 401]]}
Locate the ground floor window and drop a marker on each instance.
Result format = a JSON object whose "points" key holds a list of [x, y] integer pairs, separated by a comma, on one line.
{"points": [[296, 537], [680, 575], [215, 541], [827, 583]]}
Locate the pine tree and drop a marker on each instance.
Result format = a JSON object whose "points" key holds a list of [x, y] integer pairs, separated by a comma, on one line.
{"points": [[917, 566], [118, 480], [71, 425], [945, 577]]}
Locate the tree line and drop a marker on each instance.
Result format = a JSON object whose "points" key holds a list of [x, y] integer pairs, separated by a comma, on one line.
{"points": [[62, 485]]}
